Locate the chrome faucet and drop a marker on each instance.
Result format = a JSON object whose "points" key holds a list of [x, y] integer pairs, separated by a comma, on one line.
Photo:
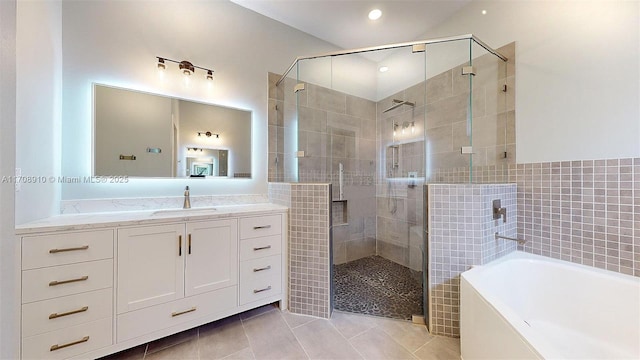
{"points": [[187, 200]]}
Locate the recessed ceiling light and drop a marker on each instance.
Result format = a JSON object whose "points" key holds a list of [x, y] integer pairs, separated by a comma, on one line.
{"points": [[484, 12], [375, 14], [383, 68]]}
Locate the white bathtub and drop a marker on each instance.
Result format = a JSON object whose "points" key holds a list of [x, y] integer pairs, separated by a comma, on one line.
{"points": [[524, 306]]}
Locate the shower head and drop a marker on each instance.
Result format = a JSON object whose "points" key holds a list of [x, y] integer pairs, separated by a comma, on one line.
{"points": [[398, 103]]}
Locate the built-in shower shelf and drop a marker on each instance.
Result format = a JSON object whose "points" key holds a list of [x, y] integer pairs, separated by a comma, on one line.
{"points": [[339, 212]]}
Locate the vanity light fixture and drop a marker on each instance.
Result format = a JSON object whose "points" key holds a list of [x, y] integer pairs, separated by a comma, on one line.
{"points": [[208, 134], [185, 66], [194, 149]]}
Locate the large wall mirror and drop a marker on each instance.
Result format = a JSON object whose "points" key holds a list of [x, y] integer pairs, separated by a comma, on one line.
{"points": [[147, 135]]}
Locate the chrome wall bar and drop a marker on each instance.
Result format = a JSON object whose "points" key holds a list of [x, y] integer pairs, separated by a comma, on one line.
{"points": [[498, 236], [393, 46]]}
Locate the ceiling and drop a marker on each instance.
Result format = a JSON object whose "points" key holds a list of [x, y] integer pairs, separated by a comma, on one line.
{"points": [[345, 23]]}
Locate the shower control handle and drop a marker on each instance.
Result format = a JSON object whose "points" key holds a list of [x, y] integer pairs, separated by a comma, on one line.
{"points": [[499, 211]]}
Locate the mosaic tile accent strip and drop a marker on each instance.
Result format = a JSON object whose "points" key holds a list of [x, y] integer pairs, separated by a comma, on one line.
{"points": [[309, 245], [583, 211], [309, 249], [461, 234], [377, 286], [586, 212]]}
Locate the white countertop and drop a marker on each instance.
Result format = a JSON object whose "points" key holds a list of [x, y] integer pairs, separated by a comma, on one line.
{"points": [[88, 221]]}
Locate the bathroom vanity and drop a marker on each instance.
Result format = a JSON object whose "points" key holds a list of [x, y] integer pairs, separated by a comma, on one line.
{"points": [[96, 284]]}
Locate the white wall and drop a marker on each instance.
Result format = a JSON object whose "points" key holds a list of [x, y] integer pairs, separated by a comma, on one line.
{"points": [[9, 249], [39, 104], [577, 73], [116, 43]]}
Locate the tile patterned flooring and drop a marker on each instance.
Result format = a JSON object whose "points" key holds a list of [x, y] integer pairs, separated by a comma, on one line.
{"points": [[376, 286], [268, 333]]}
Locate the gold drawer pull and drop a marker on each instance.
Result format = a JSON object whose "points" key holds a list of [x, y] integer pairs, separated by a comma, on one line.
{"points": [[262, 227], [183, 312], [261, 290], [262, 269], [58, 347], [54, 283], [56, 315], [262, 248], [55, 251]]}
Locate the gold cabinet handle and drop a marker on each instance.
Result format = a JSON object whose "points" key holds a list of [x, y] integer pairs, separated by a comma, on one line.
{"points": [[183, 312], [262, 269], [56, 315], [262, 227], [56, 282], [58, 347], [179, 245], [55, 251], [261, 290], [262, 248], [189, 246]]}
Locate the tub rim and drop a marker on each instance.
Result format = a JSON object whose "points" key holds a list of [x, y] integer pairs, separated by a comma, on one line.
{"points": [[536, 342]]}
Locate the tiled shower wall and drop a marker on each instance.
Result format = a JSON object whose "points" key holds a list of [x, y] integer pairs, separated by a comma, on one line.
{"points": [[583, 211], [445, 99], [587, 212], [332, 128], [461, 234], [309, 245]]}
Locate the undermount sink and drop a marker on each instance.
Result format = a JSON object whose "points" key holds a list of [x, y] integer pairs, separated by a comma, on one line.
{"points": [[191, 211]]}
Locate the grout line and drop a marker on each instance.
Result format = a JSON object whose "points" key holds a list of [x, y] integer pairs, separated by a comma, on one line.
{"points": [[433, 337], [346, 339], [244, 331], [296, 337], [198, 341]]}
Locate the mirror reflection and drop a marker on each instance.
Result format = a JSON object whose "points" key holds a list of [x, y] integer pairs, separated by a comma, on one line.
{"points": [[146, 135]]}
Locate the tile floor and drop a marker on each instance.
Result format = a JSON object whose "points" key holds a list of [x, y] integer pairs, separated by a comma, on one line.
{"points": [[268, 333]]}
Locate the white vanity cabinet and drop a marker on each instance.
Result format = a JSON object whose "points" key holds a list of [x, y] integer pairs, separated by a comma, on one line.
{"points": [[86, 294], [166, 274], [260, 257], [67, 293]]}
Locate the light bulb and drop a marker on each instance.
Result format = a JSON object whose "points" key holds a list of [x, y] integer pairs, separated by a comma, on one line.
{"points": [[375, 14]]}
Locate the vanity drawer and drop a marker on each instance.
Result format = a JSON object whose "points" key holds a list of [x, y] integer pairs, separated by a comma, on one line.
{"points": [[67, 248], [260, 247], [55, 314], [140, 322], [56, 281], [260, 278], [260, 226], [72, 341]]}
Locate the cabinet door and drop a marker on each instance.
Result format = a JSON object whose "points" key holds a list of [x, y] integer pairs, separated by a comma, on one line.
{"points": [[212, 256], [150, 266]]}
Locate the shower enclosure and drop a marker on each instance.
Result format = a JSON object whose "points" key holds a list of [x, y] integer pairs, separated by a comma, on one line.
{"points": [[378, 123]]}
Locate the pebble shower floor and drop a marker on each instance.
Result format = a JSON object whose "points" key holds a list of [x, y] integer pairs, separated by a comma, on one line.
{"points": [[377, 286]]}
